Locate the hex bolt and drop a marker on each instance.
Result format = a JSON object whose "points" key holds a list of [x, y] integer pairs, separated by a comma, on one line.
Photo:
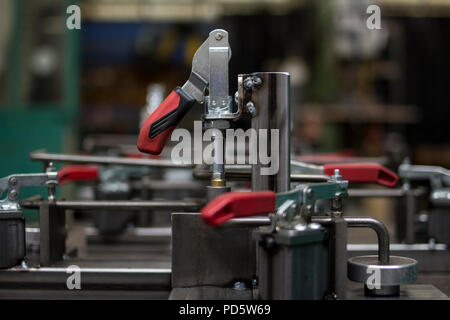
{"points": [[236, 97], [251, 108], [248, 84], [269, 242], [13, 181], [239, 286], [257, 82], [13, 194], [337, 175]]}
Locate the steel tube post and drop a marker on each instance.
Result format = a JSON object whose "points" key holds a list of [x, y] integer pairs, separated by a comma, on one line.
{"points": [[270, 95]]}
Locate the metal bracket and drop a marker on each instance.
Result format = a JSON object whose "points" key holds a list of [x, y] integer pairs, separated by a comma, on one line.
{"points": [[219, 105], [438, 176], [297, 206], [13, 183]]}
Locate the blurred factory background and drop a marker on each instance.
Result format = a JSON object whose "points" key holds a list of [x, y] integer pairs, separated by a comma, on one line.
{"points": [[355, 91]]}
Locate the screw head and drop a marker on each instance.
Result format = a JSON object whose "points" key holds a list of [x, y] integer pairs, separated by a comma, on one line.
{"points": [[13, 181], [314, 226], [248, 84], [13, 194], [251, 108], [257, 82], [269, 242], [218, 36], [239, 286]]}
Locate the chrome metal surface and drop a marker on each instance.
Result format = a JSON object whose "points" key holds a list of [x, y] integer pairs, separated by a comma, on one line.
{"points": [[376, 225], [199, 79], [400, 270], [74, 158], [384, 193], [13, 183], [437, 175], [441, 197], [117, 205], [219, 55], [271, 97], [243, 172]]}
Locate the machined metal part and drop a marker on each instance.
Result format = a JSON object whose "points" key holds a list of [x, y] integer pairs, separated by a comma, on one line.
{"points": [[304, 198], [75, 158], [364, 222], [239, 172], [269, 92], [438, 176], [96, 283], [12, 244], [118, 205], [439, 224], [381, 231], [52, 224], [389, 268], [12, 222], [219, 104], [219, 101], [430, 257], [385, 193], [440, 197], [382, 279], [215, 191], [337, 260], [13, 183], [292, 264], [205, 256], [407, 292], [199, 78]]}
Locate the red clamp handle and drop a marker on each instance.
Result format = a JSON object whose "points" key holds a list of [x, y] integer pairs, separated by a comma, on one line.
{"points": [[158, 127], [237, 205], [78, 173], [363, 172]]}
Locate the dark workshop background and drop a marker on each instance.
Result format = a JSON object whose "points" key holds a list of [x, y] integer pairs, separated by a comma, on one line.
{"points": [[356, 91]]}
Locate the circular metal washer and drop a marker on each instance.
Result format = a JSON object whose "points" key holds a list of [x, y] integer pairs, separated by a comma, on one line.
{"points": [[400, 270]]}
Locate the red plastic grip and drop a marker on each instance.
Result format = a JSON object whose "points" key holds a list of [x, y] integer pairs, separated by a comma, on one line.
{"points": [[158, 127], [78, 173], [156, 144], [364, 172], [237, 205]]}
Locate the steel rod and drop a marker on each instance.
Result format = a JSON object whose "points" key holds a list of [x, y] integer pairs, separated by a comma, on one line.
{"points": [[74, 158], [240, 174], [119, 205], [363, 222]]}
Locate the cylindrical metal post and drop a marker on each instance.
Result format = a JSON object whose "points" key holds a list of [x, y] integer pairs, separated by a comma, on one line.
{"points": [[269, 94]]}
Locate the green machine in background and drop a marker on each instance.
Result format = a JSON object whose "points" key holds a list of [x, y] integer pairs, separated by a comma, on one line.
{"points": [[39, 89]]}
